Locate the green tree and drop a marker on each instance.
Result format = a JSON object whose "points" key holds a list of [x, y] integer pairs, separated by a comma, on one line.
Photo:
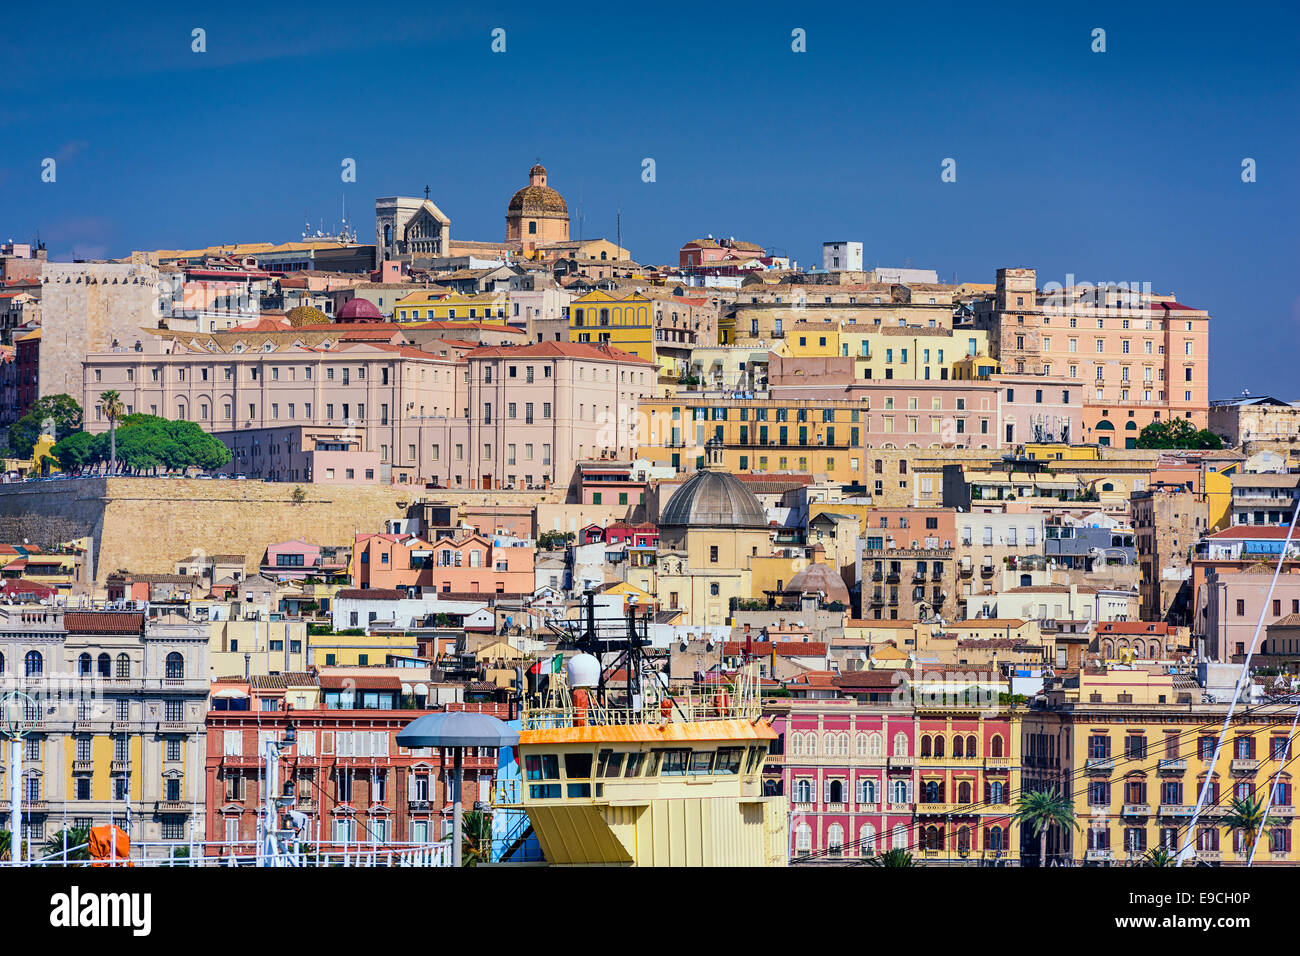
{"points": [[76, 452], [6, 840], [1177, 433], [550, 540], [114, 408], [892, 858], [1159, 857], [24, 432], [1248, 816], [1040, 811], [148, 443], [78, 837]]}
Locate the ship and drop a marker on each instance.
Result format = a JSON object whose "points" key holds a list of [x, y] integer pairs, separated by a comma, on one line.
{"points": [[618, 769]]}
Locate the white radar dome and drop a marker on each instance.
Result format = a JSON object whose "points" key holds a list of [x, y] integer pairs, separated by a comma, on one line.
{"points": [[583, 671]]}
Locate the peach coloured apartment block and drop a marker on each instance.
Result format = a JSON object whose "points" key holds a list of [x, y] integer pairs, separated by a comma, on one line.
{"points": [[1138, 357], [472, 564]]}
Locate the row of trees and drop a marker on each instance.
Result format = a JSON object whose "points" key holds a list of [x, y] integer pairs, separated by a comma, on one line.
{"points": [[134, 444], [141, 444]]}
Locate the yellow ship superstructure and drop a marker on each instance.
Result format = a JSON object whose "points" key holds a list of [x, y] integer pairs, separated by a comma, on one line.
{"points": [[676, 783]]}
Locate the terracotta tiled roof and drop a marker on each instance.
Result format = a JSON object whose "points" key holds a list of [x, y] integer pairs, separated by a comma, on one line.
{"points": [[103, 622], [281, 681]]}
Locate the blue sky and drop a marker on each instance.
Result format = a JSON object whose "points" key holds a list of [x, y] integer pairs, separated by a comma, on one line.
{"points": [[1115, 166]]}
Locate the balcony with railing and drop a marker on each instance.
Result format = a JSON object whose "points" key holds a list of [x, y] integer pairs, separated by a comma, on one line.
{"points": [[1244, 765], [1135, 810], [1174, 810], [1172, 764], [1099, 764]]}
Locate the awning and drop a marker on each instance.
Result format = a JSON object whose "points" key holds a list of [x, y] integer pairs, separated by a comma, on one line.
{"points": [[229, 692]]}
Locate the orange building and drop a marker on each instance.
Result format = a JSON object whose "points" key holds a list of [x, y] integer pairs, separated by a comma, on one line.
{"points": [[473, 564]]}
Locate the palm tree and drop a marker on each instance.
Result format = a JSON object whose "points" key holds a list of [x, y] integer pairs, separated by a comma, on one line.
{"points": [[476, 838], [5, 842], [1160, 857], [895, 857], [1040, 810], [78, 837], [1248, 815], [114, 408]]}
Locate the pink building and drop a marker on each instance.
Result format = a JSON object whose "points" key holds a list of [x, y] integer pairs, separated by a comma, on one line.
{"points": [[289, 402], [295, 559], [848, 769]]}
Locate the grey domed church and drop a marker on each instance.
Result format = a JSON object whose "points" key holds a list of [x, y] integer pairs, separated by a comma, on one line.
{"points": [[708, 532]]}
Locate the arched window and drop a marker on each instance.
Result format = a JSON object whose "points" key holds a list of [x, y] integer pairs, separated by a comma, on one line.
{"points": [[971, 746], [803, 838], [900, 744], [867, 840], [898, 837], [900, 791], [104, 666], [875, 745], [175, 666], [997, 792], [860, 745], [932, 838], [993, 838], [958, 746], [868, 790], [995, 747], [925, 746], [843, 750], [963, 840], [2, 663], [83, 665], [932, 791], [835, 839], [835, 794], [803, 791], [963, 792], [938, 746], [33, 664], [123, 666]]}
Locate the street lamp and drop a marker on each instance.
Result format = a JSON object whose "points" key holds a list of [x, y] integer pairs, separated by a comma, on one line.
{"points": [[270, 849], [455, 731]]}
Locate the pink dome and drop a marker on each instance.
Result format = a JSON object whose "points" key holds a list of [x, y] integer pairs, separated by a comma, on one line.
{"points": [[360, 310]]}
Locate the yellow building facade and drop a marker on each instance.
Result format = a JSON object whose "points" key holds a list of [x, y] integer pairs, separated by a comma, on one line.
{"points": [[1132, 748], [909, 353], [435, 307], [626, 323]]}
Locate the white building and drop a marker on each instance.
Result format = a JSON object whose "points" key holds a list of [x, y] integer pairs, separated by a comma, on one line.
{"points": [[378, 608], [842, 256]]}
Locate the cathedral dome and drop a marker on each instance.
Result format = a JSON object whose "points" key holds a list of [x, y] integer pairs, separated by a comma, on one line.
{"points": [[537, 198], [538, 201], [713, 499]]}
